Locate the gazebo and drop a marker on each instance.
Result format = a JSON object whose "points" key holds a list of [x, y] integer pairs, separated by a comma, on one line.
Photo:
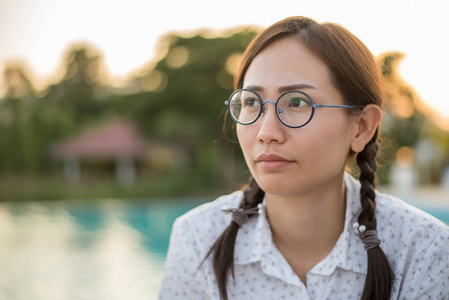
{"points": [[117, 142]]}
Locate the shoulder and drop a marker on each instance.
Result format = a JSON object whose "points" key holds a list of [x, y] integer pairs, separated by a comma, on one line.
{"points": [[395, 215], [205, 223], [193, 234], [417, 246], [208, 208], [210, 213]]}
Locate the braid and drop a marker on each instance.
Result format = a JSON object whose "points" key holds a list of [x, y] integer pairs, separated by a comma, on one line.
{"points": [[366, 160], [379, 278], [223, 248]]}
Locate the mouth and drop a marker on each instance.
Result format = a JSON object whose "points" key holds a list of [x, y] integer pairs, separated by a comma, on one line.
{"points": [[272, 162]]}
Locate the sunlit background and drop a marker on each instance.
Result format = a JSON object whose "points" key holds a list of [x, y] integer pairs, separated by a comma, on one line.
{"points": [[37, 33], [112, 118]]}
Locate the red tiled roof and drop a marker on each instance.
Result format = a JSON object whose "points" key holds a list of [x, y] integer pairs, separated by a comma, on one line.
{"points": [[110, 141]]}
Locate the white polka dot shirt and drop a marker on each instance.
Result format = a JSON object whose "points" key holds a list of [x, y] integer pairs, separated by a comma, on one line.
{"points": [[416, 244]]}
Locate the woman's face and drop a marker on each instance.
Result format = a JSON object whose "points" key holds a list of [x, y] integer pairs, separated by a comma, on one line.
{"points": [[292, 161]]}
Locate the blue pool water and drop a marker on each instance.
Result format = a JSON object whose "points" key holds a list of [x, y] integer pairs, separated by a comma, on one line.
{"points": [[106, 249]]}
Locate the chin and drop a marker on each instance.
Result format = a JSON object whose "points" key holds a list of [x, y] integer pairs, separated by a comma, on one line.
{"points": [[278, 187]]}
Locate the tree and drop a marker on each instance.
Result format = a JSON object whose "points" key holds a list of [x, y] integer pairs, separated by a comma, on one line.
{"points": [[182, 99], [406, 122], [80, 91]]}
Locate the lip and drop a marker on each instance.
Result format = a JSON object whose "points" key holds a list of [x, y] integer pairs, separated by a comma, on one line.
{"points": [[272, 162]]}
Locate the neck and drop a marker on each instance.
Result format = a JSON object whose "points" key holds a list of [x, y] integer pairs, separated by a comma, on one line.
{"points": [[308, 225]]}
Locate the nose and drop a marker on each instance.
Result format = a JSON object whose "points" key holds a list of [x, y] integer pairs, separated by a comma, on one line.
{"points": [[271, 129]]}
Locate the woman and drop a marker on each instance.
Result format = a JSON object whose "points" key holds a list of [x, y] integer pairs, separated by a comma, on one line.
{"points": [[307, 102]]}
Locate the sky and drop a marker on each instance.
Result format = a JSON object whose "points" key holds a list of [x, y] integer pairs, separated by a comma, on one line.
{"points": [[37, 33]]}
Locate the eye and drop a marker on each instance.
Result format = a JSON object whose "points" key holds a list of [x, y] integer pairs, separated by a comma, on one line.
{"points": [[251, 102], [298, 101]]}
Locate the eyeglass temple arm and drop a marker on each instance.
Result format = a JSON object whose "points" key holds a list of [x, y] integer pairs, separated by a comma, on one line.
{"points": [[337, 106]]}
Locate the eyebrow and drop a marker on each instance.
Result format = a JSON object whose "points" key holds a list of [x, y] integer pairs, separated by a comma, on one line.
{"points": [[286, 88]]}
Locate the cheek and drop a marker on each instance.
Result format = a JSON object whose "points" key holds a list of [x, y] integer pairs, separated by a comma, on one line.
{"points": [[240, 134], [246, 135], [331, 142], [243, 138], [247, 138]]}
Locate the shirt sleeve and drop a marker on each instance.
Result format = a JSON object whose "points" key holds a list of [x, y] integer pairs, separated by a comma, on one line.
{"points": [[427, 276], [183, 278]]}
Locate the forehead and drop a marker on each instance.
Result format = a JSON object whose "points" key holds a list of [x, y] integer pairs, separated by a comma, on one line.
{"points": [[286, 62]]}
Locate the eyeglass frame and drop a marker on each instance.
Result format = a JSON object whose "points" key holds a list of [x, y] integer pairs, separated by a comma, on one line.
{"points": [[262, 106]]}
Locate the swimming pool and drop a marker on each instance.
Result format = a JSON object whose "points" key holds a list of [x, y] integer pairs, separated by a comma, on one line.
{"points": [[108, 249]]}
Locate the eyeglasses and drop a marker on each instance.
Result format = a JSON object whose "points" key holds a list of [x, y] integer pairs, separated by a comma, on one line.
{"points": [[294, 109]]}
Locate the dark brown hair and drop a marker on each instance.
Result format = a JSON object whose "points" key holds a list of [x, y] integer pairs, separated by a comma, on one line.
{"points": [[356, 75]]}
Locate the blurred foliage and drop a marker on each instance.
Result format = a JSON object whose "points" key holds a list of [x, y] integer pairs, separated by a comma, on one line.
{"points": [[405, 124], [178, 104]]}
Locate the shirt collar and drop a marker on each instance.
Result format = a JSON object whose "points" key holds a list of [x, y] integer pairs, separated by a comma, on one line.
{"points": [[256, 244]]}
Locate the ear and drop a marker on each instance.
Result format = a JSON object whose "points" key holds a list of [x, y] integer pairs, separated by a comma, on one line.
{"points": [[365, 126]]}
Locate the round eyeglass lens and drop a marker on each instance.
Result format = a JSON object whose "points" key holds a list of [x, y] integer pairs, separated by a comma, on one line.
{"points": [[244, 106], [294, 109]]}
